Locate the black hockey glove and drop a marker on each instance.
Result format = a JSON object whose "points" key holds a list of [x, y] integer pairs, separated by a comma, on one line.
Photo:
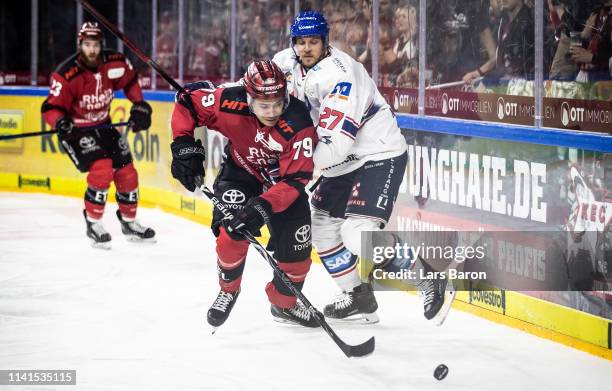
{"points": [[251, 218], [187, 161], [140, 116], [184, 98], [198, 85], [64, 126]]}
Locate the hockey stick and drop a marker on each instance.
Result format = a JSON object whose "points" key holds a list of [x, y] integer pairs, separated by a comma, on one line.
{"points": [[360, 350], [349, 350], [452, 84], [125, 133], [314, 186], [53, 131]]}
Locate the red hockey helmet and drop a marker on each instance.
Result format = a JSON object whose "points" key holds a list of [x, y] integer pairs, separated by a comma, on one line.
{"points": [[90, 30], [265, 80]]}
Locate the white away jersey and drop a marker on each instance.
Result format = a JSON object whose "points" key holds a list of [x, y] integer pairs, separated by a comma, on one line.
{"points": [[354, 122]]}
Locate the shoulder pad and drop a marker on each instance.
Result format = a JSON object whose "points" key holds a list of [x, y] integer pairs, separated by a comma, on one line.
{"points": [[234, 100], [330, 79], [69, 68], [336, 66], [285, 59], [111, 55], [294, 119]]}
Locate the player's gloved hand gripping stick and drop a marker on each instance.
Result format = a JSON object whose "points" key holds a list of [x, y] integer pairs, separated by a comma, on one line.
{"points": [[360, 350]]}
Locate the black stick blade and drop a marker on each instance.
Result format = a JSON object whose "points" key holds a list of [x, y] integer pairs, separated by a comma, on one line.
{"points": [[361, 350]]}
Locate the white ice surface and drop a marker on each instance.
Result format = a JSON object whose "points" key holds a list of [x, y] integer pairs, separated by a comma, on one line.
{"points": [[133, 318]]}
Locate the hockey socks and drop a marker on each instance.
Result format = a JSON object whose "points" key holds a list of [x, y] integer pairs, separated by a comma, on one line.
{"points": [[341, 264], [126, 182]]}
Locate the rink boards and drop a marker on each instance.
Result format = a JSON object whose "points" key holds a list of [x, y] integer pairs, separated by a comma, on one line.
{"points": [[38, 165]]}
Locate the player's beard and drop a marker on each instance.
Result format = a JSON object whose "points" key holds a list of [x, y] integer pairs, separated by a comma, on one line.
{"points": [[312, 60], [91, 60]]}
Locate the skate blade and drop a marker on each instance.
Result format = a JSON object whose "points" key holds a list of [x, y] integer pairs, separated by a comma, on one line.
{"points": [[100, 245], [291, 323], [449, 297], [356, 319], [285, 321], [214, 330], [137, 239]]}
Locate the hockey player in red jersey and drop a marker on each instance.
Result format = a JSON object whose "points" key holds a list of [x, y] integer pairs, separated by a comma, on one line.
{"points": [[267, 165], [80, 96]]}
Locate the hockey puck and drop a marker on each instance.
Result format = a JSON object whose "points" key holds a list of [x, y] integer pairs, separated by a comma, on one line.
{"points": [[441, 371]]}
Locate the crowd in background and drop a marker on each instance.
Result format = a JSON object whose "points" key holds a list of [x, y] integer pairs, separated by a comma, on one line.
{"points": [[468, 41], [484, 45]]}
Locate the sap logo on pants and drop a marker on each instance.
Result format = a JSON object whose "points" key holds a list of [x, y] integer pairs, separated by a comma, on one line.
{"points": [[340, 261]]}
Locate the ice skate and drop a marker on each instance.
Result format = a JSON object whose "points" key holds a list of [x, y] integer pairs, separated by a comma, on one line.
{"points": [[219, 311], [100, 238], [438, 295], [449, 297], [298, 315], [135, 232], [358, 305]]}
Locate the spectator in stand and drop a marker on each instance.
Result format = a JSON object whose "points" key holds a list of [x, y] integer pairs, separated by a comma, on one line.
{"points": [[460, 40], [277, 17], [387, 9], [567, 16], [253, 42], [356, 34], [593, 56], [495, 15], [562, 67], [477, 42], [166, 43], [265, 30], [514, 60], [405, 48], [385, 54], [365, 9], [337, 21], [357, 17], [205, 56], [347, 21]]}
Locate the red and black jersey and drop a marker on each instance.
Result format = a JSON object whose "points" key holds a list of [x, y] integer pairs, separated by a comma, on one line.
{"points": [[280, 156], [85, 94]]}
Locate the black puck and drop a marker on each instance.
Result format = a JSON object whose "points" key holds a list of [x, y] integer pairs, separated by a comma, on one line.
{"points": [[441, 371]]}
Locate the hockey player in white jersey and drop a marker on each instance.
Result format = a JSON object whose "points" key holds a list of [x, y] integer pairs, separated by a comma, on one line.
{"points": [[362, 157]]}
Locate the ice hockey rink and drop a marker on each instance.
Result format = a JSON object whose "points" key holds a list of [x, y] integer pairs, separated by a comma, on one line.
{"points": [[133, 318]]}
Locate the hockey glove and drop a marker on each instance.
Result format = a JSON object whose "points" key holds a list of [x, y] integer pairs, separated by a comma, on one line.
{"points": [[64, 126], [188, 161], [251, 218], [199, 85], [140, 116], [184, 98]]}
